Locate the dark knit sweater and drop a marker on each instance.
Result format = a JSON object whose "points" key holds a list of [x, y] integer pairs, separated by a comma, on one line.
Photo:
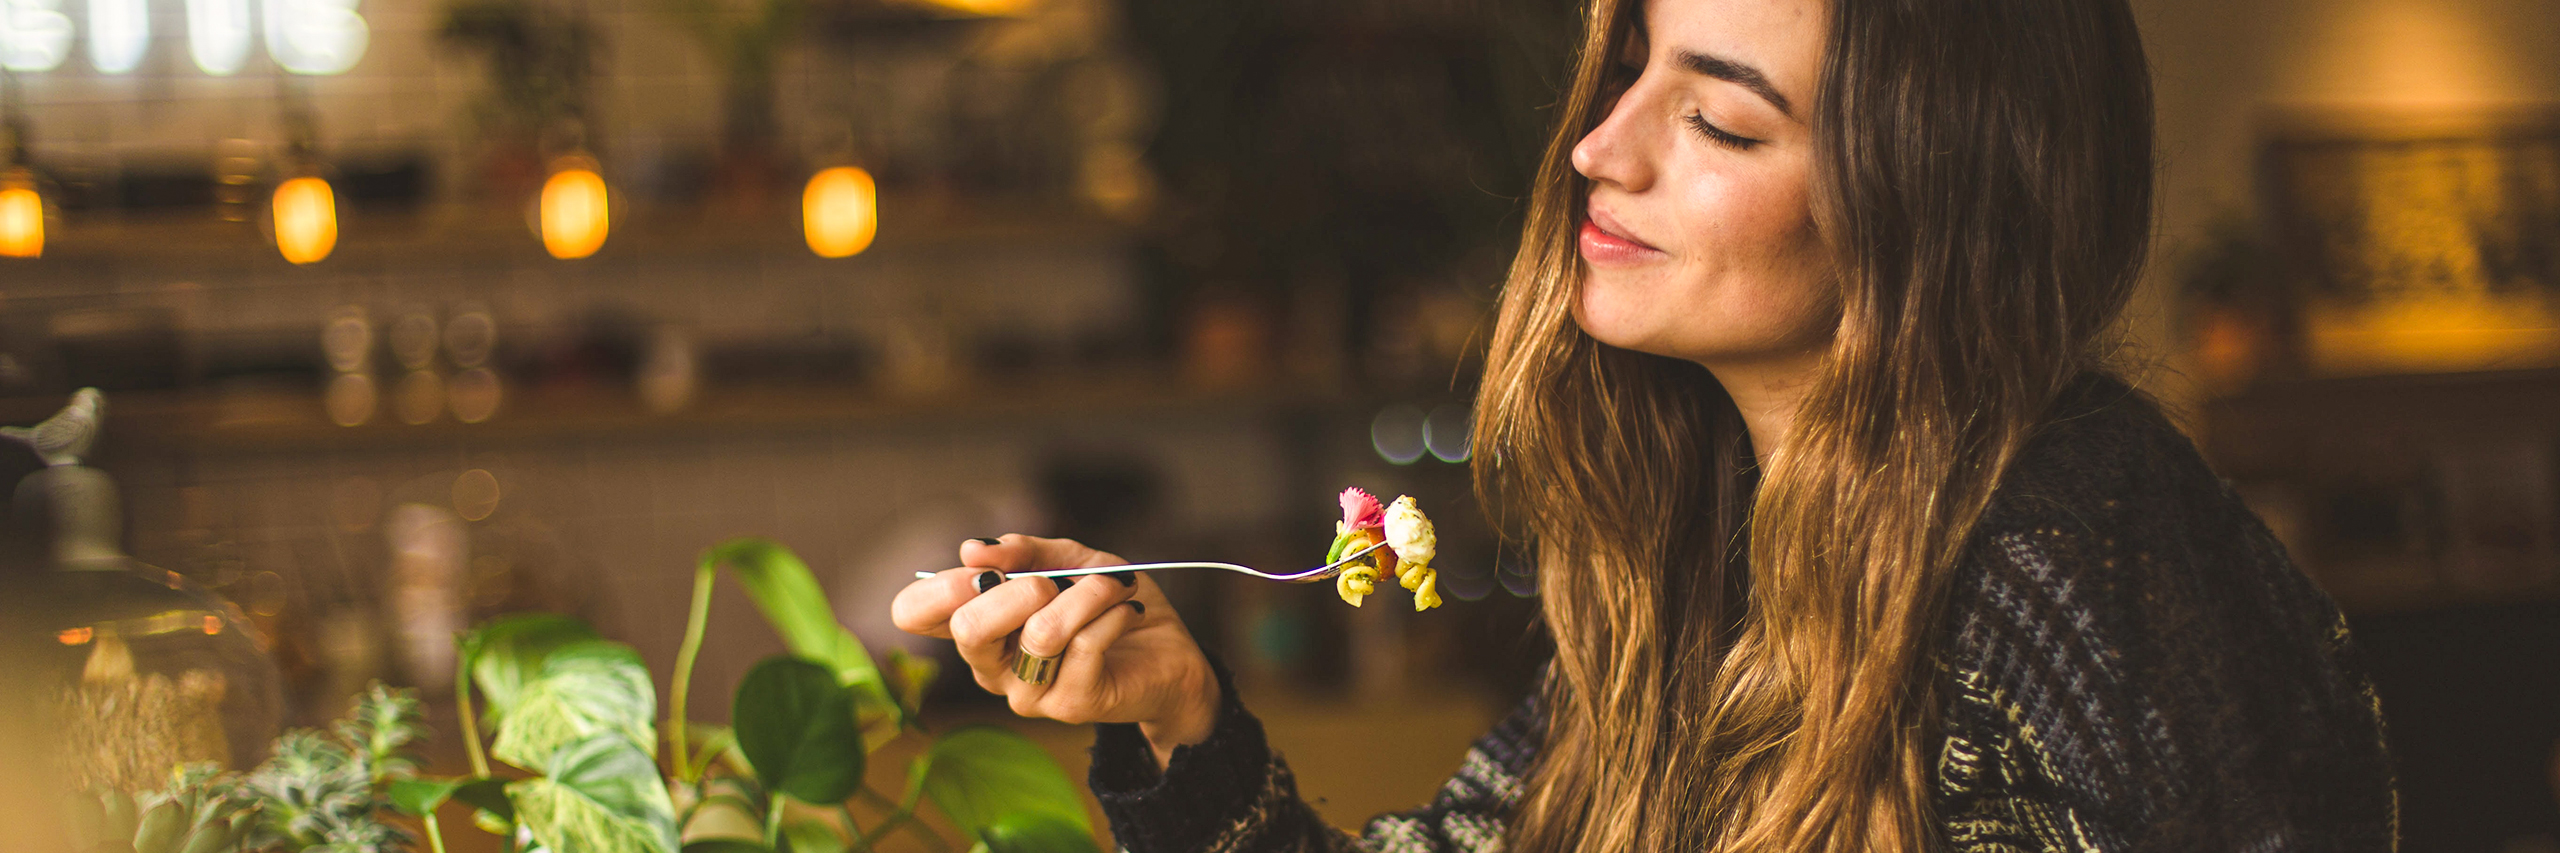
{"points": [[2129, 663]]}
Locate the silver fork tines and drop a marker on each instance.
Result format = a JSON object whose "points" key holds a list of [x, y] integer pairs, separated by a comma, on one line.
{"points": [[1318, 573]]}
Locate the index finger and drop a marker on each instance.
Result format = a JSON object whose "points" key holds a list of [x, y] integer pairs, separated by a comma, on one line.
{"points": [[1014, 552], [924, 607]]}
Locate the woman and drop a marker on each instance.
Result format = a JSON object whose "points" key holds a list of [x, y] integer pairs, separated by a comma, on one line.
{"points": [[1846, 536]]}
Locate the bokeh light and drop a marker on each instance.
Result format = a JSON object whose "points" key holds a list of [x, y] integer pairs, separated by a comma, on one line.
{"points": [[21, 216], [306, 220], [840, 212], [1450, 432], [574, 213], [1396, 433]]}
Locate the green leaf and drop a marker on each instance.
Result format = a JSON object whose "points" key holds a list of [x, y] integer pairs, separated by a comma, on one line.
{"points": [[981, 773], [1034, 832], [583, 689], [782, 587], [725, 845], [603, 795], [488, 795], [810, 836], [163, 827], [914, 675], [505, 653], [796, 726], [420, 797]]}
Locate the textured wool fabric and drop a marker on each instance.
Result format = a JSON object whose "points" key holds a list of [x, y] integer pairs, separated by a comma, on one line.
{"points": [[2129, 662]]}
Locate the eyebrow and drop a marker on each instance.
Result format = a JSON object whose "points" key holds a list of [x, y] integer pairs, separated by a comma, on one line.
{"points": [[1734, 72]]}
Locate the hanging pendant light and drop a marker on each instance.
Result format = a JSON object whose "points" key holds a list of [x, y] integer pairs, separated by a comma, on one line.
{"points": [[306, 217], [840, 212], [574, 213], [21, 215]]}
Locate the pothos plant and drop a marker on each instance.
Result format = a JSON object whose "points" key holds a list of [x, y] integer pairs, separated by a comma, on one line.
{"points": [[576, 713]]}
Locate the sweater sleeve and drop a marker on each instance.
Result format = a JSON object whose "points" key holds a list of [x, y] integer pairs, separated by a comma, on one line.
{"points": [[1232, 794], [2128, 692]]}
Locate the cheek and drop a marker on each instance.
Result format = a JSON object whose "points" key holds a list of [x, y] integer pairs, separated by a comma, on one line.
{"points": [[1754, 274]]}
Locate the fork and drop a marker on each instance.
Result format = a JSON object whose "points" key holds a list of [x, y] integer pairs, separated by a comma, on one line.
{"points": [[1318, 573]]}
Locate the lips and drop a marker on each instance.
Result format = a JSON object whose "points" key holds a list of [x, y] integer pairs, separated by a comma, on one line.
{"points": [[1605, 242]]}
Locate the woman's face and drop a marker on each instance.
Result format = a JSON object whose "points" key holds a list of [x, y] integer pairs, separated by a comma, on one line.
{"points": [[1698, 238]]}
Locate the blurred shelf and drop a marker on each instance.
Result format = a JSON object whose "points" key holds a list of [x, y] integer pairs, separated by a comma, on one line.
{"points": [[446, 234], [279, 420]]}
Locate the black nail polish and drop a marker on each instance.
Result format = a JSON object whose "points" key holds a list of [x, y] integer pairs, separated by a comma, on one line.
{"points": [[1137, 605], [986, 541], [988, 580], [1125, 578], [1062, 583]]}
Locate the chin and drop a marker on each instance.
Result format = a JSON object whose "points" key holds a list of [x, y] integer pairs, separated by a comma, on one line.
{"points": [[1618, 327]]}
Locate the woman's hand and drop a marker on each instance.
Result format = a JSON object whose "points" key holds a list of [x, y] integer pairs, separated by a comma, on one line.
{"points": [[1127, 657]]}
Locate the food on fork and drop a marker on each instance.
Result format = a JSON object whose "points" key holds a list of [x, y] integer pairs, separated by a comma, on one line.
{"points": [[1411, 545]]}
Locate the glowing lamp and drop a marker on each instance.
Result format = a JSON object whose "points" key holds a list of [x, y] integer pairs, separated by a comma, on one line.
{"points": [[21, 216], [306, 220], [840, 212], [574, 218]]}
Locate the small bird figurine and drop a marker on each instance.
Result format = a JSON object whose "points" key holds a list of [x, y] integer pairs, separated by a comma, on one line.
{"points": [[65, 437]]}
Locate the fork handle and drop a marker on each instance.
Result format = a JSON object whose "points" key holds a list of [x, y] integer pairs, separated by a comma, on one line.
{"points": [[1101, 570]]}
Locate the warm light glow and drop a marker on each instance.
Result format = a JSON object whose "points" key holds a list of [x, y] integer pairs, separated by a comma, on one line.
{"points": [[574, 216], [840, 212], [76, 636], [34, 35], [21, 217], [306, 220], [119, 31], [219, 34], [315, 36], [212, 624], [987, 7]]}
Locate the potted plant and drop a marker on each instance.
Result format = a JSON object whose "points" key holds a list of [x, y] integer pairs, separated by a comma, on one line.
{"points": [[573, 757]]}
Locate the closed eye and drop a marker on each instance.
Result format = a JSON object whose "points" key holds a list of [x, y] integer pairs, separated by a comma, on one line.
{"points": [[1718, 135]]}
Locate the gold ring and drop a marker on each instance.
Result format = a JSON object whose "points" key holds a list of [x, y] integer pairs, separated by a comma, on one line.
{"points": [[1035, 670]]}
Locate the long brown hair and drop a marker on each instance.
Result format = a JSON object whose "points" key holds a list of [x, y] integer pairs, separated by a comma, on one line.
{"points": [[1744, 647]]}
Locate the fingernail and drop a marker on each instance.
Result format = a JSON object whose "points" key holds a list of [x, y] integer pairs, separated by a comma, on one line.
{"points": [[1125, 579], [986, 541], [1062, 583], [987, 580], [1137, 605]]}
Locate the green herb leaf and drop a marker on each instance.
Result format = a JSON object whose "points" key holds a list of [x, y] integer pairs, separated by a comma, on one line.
{"points": [[982, 773], [505, 653], [488, 795], [420, 797], [603, 795], [725, 845], [914, 675], [1033, 832], [583, 689], [163, 827], [796, 726], [782, 587], [811, 836]]}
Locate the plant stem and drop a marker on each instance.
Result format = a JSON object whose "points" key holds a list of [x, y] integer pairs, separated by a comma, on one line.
{"points": [[701, 614], [435, 839], [853, 830], [470, 726], [773, 822], [901, 816]]}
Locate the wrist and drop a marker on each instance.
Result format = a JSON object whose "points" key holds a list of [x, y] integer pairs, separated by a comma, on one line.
{"points": [[1193, 718]]}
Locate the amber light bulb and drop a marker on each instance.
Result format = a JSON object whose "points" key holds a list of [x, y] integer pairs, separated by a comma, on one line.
{"points": [[840, 212], [306, 214], [574, 214], [21, 216]]}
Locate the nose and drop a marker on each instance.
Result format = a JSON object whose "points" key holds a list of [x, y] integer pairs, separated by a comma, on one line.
{"points": [[1612, 153]]}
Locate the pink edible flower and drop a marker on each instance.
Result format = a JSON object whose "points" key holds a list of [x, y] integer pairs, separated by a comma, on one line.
{"points": [[1360, 511]]}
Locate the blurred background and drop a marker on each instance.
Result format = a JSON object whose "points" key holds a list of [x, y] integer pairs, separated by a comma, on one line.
{"points": [[415, 312]]}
